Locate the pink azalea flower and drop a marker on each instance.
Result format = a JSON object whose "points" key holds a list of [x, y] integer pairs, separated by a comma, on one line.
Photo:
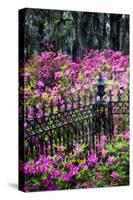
{"points": [[69, 106], [67, 176], [74, 170], [103, 152], [46, 181], [39, 112], [61, 148], [67, 72], [92, 159], [52, 187], [125, 135], [110, 160], [55, 173], [40, 84], [26, 188], [98, 176], [87, 73], [90, 185], [103, 138], [26, 74], [55, 90], [57, 75], [115, 175]]}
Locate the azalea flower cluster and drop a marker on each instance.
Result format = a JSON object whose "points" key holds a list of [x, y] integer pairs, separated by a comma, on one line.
{"points": [[80, 169], [55, 77]]}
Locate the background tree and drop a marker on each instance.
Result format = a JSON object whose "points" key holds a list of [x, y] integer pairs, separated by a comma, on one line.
{"points": [[73, 32]]}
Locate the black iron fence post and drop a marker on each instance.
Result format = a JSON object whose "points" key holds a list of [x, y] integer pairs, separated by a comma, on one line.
{"points": [[104, 110]]}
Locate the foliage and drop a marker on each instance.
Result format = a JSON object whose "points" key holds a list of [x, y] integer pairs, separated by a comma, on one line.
{"points": [[80, 169], [51, 77]]}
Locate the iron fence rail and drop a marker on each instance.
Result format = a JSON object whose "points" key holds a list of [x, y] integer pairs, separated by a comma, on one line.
{"points": [[84, 122]]}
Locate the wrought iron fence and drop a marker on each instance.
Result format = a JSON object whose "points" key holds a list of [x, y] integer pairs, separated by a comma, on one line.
{"points": [[88, 117]]}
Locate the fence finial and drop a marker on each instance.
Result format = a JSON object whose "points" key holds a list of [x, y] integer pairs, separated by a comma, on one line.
{"points": [[101, 86]]}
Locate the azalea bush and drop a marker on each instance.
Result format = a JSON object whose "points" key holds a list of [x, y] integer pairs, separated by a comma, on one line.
{"points": [[81, 169], [51, 77]]}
